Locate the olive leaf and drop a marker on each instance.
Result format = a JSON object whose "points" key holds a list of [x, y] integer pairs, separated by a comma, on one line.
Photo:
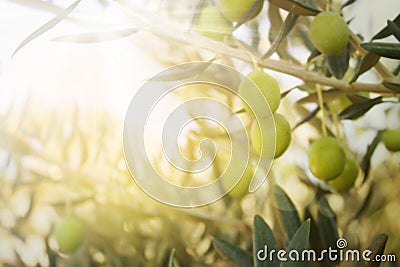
{"points": [[392, 86], [328, 95], [287, 25], [387, 31], [377, 247], [308, 117], [276, 21], [182, 72], [365, 64], [235, 254], [312, 119], [97, 37], [300, 8], [263, 236], [357, 110], [397, 70], [395, 29], [356, 97], [365, 203], [299, 243], [314, 53], [288, 215], [348, 3], [285, 93], [338, 64], [254, 35], [171, 259], [197, 7], [389, 50], [315, 238], [366, 160], [47, 26], [327, 223], [258, 4]]}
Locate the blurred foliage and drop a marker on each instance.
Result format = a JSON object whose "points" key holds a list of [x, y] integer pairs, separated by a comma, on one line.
{"points": [[55, 164]]}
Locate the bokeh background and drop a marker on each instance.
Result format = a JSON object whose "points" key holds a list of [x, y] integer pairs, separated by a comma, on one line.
{"points": [[62, 107]]}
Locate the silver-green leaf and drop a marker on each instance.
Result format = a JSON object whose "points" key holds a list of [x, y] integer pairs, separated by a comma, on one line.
{"points": [[47, 26]]}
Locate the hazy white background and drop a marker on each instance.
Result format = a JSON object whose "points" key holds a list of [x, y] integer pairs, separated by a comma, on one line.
{"points": [[99, 75]]}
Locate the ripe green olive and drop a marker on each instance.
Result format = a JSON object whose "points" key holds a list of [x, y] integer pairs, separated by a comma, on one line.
{"points": [[241, 188], [212, 24], [391, 139], [234, 10], [69, 235], [326, 158], [268, 87], [283, 136], [347, 178], [329, 33]]}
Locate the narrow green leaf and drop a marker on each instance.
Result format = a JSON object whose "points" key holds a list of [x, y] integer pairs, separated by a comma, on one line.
{"points": [[338, 64], [366, 202], [356, 97], [357, 110], [348, 3], [377, 247], [198, 6], [385, 32], [235, 254], [287, 25], [328, 95], [308, 117], [313, 120], [31, 206], [314, 53], [47, 26], [97, 37], [366, 160], [181, 72], [300, 243], [263, 236], [171, 262], [299, 7], [392, 86], [315, 238], [284, 94], [327, 224], [255, 9], [254, 35], [365, 64], [276, 21], [389, 50], [288, 215], [395, 29], [397, 70]]}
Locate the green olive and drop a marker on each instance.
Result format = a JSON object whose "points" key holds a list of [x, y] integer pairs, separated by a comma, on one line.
{"points": [[282, 133], [235, 10], [391, 139], [212, 24], [329, 33], [69, 235], [241, 188], [326, 158], [347, 178], [268, 87]]}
